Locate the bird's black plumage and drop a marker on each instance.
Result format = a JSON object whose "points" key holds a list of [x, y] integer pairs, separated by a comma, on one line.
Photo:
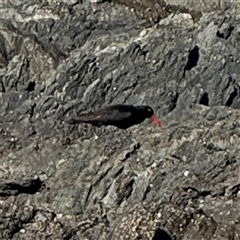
{"points": [[121, 116]]}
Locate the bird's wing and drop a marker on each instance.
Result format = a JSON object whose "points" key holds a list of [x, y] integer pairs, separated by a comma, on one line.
{"points": [[104, 115], [117, 115], [107, 115]]}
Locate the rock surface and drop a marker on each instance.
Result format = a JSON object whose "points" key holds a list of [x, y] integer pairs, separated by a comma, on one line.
{"points": [[58, 58]]}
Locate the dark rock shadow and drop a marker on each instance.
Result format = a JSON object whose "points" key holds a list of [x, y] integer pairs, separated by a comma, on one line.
{"points": [[193, 58], [231, 98], [28, 186], [161, 235], [204, 99]]}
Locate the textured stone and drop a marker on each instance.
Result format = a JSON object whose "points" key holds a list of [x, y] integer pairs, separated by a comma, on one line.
{"points": [[59, 58]]}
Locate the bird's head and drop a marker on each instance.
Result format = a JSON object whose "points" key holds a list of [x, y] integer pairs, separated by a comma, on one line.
{"points": [[150, 114], [149, 111]]}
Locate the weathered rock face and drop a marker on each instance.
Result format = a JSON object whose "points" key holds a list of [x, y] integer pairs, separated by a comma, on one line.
{"points": [[77, 182]]}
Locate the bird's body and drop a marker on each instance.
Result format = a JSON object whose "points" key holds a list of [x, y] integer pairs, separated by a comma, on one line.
{"points": [[121, 116]]}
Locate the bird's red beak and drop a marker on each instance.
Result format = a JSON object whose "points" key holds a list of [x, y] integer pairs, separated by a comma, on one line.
{"points": [[155, 120]]}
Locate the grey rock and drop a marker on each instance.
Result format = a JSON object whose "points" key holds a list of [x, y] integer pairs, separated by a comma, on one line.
{"points": [[58, 181]]}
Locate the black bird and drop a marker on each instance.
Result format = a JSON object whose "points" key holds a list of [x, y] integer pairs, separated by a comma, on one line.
{"points": [[121, 116]]}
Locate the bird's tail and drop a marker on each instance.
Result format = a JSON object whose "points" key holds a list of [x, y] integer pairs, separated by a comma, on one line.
{"points": [[74, 121]]}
